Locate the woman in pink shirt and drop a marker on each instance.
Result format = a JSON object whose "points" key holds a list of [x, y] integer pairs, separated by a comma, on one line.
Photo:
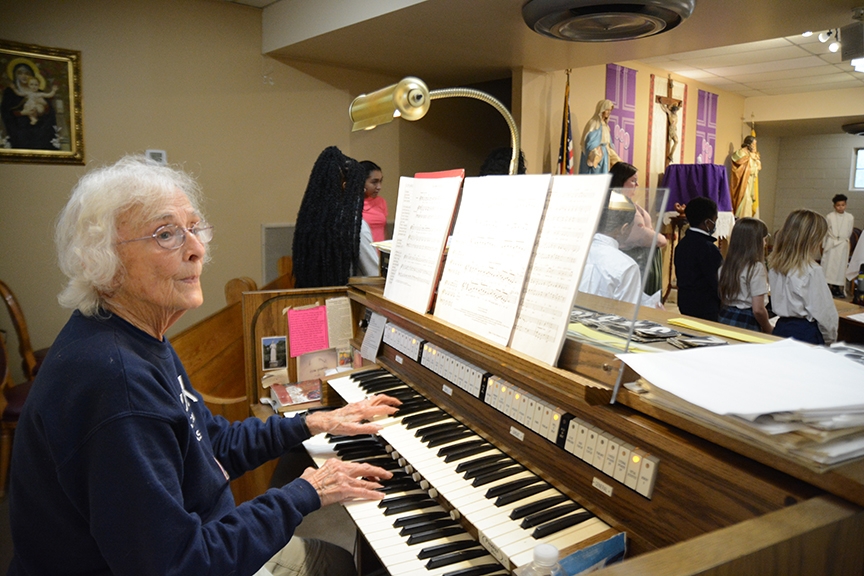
{"points": [[374, 207]]}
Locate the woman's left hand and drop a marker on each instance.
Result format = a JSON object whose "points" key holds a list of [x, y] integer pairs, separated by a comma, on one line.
{"points": [[354, 418]]}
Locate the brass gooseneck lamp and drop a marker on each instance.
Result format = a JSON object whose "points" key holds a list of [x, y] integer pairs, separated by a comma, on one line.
{"points": [[410, 97]]}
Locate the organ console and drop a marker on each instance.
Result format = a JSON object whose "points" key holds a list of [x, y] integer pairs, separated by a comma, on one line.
{"points": [[548, 447]]}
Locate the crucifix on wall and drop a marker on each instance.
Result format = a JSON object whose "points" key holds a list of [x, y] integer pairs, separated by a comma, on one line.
{"points": [[670, 106]]}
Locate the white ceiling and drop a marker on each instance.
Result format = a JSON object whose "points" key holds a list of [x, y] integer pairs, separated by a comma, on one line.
{"points": [[741, 46], [767, 68]]}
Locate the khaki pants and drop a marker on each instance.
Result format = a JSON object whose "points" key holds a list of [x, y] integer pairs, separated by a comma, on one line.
{"points": [[310, 557]]}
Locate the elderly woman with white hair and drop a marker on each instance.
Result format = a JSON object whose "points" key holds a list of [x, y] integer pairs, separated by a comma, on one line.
{"points": [[118, 467]]}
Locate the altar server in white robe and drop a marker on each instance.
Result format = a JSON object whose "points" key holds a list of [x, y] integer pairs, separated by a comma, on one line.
{"points": [[835, 256]]}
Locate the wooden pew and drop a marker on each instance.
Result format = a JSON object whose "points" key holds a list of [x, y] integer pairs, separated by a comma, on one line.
{"points": [[212, 353]]}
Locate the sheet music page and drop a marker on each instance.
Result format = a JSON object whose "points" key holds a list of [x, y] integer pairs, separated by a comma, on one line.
{"points": [[489, 253], [423, 216], [571, 215]]}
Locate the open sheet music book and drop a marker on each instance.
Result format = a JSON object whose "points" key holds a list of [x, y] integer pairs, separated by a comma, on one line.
{"points": [[516, 257], [491, 247], [566, 231], [424, 214]]}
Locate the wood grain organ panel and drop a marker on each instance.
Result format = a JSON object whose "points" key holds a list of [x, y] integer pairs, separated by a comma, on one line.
{"points": [[714, 509], [699, 487]]}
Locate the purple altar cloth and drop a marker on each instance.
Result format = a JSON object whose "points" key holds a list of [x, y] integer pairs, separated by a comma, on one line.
{"points": [[688, 181]]}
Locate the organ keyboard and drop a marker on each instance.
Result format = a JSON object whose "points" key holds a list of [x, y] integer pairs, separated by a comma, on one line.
{"points": [[503, 507], [714, 504]]}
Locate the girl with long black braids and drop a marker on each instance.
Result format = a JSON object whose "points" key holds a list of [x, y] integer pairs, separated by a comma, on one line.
{"points": [[327, 239]]}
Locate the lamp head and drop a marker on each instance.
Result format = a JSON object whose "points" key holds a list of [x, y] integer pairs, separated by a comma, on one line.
{"points": [[408, 98]]}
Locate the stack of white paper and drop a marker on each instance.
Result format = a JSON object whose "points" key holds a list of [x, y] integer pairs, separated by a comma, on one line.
{"points": [[802, 400]]}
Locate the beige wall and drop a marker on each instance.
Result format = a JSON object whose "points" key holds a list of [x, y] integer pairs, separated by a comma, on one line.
{"points": [[189, 77], [186, 77], [811, 170]]}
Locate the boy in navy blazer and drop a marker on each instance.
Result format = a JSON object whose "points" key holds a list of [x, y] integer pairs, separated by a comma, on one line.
{"points": [[697, 260]]}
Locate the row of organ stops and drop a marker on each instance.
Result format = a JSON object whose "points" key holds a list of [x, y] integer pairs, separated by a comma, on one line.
{"points": [[431, 453]]}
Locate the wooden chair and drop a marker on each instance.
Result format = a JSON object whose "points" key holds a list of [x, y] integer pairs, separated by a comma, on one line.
{"points": [[14, 397], [30, 359]]}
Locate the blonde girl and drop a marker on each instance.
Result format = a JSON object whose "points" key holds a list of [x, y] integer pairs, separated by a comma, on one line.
{"points": [[799, 292], [744, 278]]}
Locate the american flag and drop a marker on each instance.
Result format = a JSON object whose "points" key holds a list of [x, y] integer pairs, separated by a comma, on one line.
{"points": [[565, 151]]}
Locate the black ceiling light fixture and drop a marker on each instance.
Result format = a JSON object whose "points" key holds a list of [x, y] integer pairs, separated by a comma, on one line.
{"points": [[604, 20], [855, 128]]}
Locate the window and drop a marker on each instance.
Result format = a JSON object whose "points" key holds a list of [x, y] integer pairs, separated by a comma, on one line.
{"points": [[858, 170]]}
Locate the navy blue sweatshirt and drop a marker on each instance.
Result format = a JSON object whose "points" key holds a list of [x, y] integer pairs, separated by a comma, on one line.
{"points": [[119, 468]]}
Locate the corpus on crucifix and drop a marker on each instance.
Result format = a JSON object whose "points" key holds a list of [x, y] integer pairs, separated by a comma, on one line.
{"points": [[671, 106]]}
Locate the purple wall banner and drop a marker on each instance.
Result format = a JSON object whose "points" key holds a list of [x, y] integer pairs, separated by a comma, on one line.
{"points": [[621, 90], [706, 127]]}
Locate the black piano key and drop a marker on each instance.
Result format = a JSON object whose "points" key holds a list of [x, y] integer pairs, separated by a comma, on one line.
{"points": [[481, 570], [358, 455], [369, 447], [548, 515], [417, 518], [382, 379], [382, 386], [454, 557], [404, 395], [407, 411], [399, 500], [447, 450], [466, 452], [383, 383], [425, 526], [435, 428], [421, 537], [337, 438], [456, 427], [534, 507], [554, 526], [451, 437], [371, 375], [419, 399], [386, 377], [411, 422], [348, 444], [484, 479], [402, 486], [517, 495], [439, 549], [385, 463], [423, 504], [481, 461], [487, 469], [368, 375], [512, 485]]}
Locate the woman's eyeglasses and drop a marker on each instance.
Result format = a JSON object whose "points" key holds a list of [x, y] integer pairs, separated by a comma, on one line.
{"points": [[171, 236]]}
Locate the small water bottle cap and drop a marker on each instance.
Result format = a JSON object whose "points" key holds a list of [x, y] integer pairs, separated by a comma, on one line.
{"points": [[545, 554]]}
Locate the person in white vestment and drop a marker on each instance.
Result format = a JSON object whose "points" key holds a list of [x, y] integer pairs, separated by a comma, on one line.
{"points": [[835, 256], [608, 271]]}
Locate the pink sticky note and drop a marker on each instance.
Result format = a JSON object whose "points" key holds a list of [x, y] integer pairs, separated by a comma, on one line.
{"points": [[307, 330]]}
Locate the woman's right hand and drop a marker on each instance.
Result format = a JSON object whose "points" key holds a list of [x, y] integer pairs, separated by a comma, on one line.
{"points": [[337, 481]]}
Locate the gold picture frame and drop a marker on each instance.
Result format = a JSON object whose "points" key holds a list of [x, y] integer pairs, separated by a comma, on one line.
{"points": [[40, 104]]}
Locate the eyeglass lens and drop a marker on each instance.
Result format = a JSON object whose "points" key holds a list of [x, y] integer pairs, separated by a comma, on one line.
{"points": [[171, 236]]}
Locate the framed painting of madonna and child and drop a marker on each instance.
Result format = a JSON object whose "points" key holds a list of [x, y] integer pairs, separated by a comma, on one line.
{"points": [[40, 106]]}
